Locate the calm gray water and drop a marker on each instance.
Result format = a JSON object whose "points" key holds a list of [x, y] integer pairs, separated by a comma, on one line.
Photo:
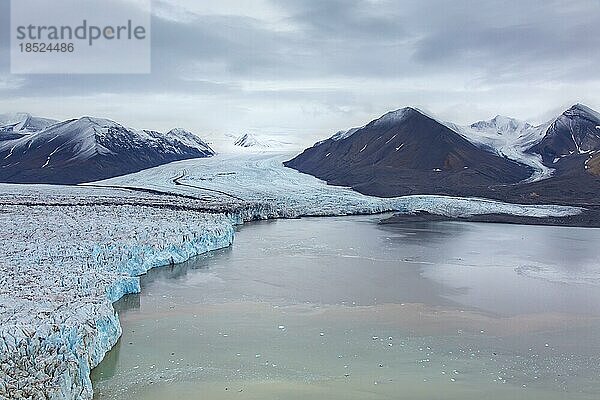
{"points": [[346, 308]]}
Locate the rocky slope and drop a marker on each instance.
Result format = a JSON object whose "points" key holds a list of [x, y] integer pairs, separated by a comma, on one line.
{"points": [[407, 152]]}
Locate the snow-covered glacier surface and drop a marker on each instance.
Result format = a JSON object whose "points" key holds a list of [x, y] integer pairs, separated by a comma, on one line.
{"points": [[261, 177], [62, 266]]}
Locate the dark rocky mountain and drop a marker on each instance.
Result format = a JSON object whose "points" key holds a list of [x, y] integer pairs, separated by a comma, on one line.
{"points": [[89, 149], [407, 152], [570, 141]]}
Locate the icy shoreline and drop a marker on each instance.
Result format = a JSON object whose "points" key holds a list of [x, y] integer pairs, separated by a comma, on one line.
{"points": [[70, 252]]}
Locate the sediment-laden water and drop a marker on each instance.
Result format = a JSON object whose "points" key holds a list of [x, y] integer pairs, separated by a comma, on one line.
{"points": [[344, 308]]}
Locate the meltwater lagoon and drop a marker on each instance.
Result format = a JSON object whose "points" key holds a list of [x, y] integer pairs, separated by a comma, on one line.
{"points": [[345, 308]]}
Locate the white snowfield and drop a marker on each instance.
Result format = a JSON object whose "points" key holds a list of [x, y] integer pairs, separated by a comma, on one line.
{"points": [[69, 252]]}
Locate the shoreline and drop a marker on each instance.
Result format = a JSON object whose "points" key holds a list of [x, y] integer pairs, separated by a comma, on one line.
{"points": [[118, 291], [589, 218]]}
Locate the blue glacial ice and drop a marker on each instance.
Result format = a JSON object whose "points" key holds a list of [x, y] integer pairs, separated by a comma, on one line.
{"points": [[62, 269]]}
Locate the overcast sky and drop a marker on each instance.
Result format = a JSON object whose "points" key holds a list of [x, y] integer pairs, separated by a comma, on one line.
{"points": [[305, 68]]}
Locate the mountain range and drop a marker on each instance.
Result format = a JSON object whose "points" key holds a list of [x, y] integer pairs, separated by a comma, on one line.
{"points": [[408, 152], [39, 150], [404, 152]]}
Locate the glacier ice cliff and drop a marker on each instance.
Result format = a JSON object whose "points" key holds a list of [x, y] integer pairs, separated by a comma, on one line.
{"points": [[63, 267]]}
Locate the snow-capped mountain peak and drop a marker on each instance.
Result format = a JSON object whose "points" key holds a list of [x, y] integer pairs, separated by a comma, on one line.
{"points": [[573, 134], [502, 125], [253, 142], [583, 111], [188, 138], [90, 148], [396, 116], [250, 140], [390, 118], [13, 118], [23, 123], [180, 132], [103, 122]]}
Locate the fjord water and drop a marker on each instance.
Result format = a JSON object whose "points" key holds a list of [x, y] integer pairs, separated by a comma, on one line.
{"points": [[345, 308]]}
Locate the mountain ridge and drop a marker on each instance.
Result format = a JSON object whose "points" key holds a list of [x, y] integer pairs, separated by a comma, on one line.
{"points": [[90, 148], [407, 152]]}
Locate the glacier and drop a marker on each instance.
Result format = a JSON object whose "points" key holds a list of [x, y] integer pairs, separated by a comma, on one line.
{"points": [[262, 178], [510, 138], [62, 269], [69, 252]]}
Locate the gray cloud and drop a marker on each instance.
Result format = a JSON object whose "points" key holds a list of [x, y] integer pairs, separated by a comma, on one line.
{"points": [[550, 37], [328, 64]]}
